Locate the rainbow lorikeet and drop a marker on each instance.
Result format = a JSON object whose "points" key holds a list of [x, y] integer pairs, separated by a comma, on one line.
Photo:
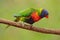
{"points": [[31, 15]]}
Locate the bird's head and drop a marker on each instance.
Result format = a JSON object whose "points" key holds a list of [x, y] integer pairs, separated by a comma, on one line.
{"points": [[44, 13]]}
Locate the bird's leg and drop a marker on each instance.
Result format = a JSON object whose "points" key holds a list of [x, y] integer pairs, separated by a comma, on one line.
{"points": [[21, 22], [31, 26], [27, 24]]}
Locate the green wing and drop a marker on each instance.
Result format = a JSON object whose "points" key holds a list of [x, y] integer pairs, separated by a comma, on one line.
{"points": [[25, 13]]}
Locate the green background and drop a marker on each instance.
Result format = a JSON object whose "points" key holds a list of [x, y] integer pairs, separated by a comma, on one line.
{"points": [[9, 7]]}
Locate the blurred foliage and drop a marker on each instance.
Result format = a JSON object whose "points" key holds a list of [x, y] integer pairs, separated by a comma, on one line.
{"points": [[9, 7]]}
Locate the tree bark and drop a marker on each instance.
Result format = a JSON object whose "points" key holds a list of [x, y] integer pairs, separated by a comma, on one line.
{"points": [[29, 27]]}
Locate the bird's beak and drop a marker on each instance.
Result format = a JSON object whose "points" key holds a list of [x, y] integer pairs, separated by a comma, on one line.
{"points": [[46, 16]]}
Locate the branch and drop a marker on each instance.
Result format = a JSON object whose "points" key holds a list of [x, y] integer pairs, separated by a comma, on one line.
{"points": [[29, 27]]}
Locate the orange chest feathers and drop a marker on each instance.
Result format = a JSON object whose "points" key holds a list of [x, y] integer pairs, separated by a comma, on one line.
{"points": [[35, 16]]}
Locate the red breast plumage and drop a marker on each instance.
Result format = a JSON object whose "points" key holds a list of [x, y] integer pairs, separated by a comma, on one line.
{"points": [[35, 16]]}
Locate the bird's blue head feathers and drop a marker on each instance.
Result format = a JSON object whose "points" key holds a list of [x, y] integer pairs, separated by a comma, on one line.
{"points": [[44, 13]]}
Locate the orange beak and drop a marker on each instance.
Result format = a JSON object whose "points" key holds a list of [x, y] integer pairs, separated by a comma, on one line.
{"points": [[46, 16]]}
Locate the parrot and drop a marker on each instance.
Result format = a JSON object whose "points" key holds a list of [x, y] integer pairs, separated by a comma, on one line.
{"points": [[31, 15]]}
